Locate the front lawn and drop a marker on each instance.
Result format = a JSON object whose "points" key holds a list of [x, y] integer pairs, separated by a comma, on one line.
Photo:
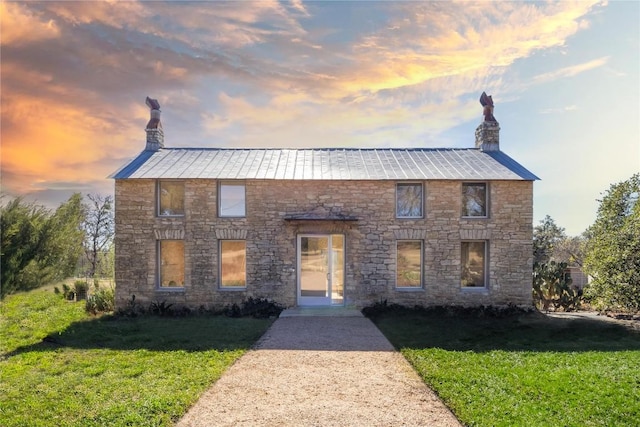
{"points": [[523, 369], [59, 366]]}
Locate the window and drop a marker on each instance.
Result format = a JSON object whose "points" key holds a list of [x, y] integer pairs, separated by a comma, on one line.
{"points": [[409, 200], [233, 263], [170, 198], [171, 263], [474, 199], [409, 264], [474, 264], [231, 199]]}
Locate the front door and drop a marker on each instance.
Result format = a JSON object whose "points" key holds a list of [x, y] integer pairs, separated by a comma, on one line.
{"points": [[321, 269]]}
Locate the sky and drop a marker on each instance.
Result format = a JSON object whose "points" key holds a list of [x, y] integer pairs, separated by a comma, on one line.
{"points": [[564, 78]]}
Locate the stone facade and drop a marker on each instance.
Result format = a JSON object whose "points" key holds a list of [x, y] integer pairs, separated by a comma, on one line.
{"points": [[370, 241]]}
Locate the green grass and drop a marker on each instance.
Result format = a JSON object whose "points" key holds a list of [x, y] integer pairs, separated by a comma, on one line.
{"points": [[523, 370], [59, 366]]}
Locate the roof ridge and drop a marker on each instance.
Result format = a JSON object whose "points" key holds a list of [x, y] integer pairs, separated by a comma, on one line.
{"points": [[325, 148]]}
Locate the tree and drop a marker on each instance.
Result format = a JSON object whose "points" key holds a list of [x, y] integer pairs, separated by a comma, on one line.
{"points": [[613, 248], [64, 237], [570, 250], [39, 246], [546, 237], [21, 227], [99, 230]]}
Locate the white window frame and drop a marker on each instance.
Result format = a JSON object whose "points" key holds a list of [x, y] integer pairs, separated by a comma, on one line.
{"points": [[485, 265], [222, 184], [159, 183], [159, 266], [420, 285], [398, 184], [220, 284], [486, 199]]}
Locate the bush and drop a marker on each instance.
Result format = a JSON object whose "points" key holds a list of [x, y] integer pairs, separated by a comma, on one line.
{"points": [[382, 307], [480, 311], [258, 308], [101, 301], [552, 286], [67, 293], [161, 308], [81, 288]]}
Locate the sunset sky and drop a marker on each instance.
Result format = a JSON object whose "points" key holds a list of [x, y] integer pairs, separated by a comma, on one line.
{"points": [[564, 77]]}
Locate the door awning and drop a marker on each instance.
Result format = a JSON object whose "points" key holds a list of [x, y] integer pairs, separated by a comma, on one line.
{"points": [[320, 213]]}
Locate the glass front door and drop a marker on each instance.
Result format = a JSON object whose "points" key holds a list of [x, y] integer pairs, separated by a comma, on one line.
{"points": [[321, 269]]}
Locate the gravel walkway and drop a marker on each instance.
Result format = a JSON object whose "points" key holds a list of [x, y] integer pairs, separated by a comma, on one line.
{"points": [[320, 371]]}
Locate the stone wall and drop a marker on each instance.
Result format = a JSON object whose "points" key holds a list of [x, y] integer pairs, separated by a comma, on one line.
{"points": [[370, 242]]}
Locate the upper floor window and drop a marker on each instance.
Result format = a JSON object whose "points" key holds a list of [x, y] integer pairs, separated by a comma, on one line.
{"points": [[474, 264], [474, 199], [232, 199], [170, 198], [409, 200]]}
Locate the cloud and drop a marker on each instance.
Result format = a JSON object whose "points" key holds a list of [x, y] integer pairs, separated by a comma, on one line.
{"points": [[410, 80], [570, 71], [64, 143], [75, 74], [286, 120], [21, 26], [559, 110], [435, 40]]}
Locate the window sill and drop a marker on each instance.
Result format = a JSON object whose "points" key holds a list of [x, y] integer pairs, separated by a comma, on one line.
{"points": [[416, 289], [231, 289]]}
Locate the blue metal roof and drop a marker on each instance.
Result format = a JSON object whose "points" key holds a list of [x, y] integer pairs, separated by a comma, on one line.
{"points": [[325, 164]]}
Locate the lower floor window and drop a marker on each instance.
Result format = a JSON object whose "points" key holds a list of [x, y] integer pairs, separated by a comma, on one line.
{"points": [[409, 264], [171, 263], [474, 264], [233, 263]]}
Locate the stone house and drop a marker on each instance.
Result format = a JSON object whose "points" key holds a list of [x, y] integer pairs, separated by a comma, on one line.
{"points": [[327, 226]]}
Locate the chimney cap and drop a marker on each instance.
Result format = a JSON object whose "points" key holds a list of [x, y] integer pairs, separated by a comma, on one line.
{"points": [[153, 103], [154, 120], [487, 102]]}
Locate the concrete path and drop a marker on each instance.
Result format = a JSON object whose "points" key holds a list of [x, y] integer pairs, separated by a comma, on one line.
{"points": [[320, 370]]}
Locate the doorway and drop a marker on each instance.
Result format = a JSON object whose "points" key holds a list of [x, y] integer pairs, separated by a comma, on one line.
{"points": [[321, 269]]}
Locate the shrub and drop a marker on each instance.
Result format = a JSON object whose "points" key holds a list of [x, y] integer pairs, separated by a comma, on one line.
{"points": [[67, 293], [161, 308], [381, 307], [481, 311], [101, 301], [81, 288], [259, 308], [552, 286]]}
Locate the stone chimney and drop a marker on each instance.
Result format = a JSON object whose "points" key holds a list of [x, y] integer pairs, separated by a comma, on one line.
{"points": [[155, 134], [488, 133]]}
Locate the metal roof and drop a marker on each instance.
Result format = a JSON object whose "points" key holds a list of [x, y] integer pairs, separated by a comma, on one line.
{"points": [[325, 164]]}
